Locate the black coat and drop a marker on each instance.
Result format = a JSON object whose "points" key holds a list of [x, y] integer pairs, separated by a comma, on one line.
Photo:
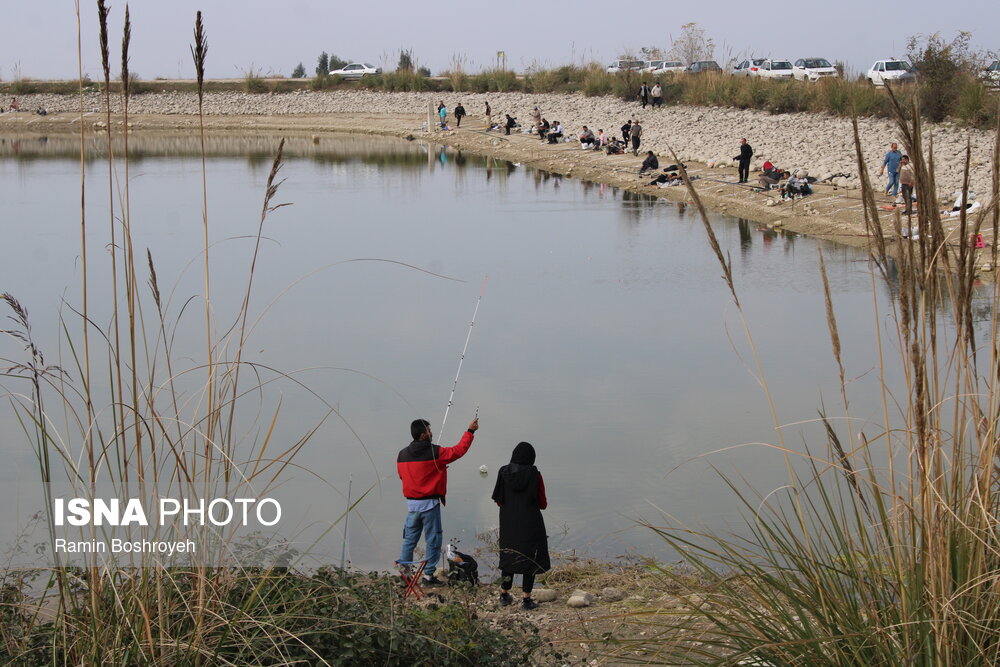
{"points": [[524, 545]]}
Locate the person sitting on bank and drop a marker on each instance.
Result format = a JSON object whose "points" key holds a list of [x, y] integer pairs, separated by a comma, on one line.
{"points": [[14, 104], [796, 185], [615, 147], [770, 175], [555, 133], [510, 124], [650, 163], [543, 129], [587, 139], [602, 141]]}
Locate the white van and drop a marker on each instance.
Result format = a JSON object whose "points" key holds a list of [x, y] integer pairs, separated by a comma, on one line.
{"points": [[626, 66]]}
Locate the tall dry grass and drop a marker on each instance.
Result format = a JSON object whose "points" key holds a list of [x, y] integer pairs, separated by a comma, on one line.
{"points": [[882, 547]]}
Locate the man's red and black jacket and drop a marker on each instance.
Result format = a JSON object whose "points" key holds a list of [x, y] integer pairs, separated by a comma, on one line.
{"points": [[423, 467]]}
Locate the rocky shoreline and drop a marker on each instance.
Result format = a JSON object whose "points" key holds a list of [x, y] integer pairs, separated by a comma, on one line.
{"points": [[823, 144], [704, 138]]}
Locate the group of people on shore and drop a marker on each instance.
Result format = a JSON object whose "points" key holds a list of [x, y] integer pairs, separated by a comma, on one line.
{"points": [[790, 184], [519, 493], [901, 176], [16, 106]]}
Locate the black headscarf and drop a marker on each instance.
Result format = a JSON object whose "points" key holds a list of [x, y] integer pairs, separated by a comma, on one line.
{"points": [[524, 454]]}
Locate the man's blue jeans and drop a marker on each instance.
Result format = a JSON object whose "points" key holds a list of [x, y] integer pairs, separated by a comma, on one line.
{"points": [[893, 183], [428, 523]]}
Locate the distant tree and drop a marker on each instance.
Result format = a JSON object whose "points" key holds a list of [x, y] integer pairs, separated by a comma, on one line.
{"points": [[299, 72], [692, 45], [337, 63], [423, 71], [942, 68], [651, 53], [323, 65], [405, 61]]}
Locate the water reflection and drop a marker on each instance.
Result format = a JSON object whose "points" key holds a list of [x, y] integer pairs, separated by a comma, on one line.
{"points": [[606, 337]]}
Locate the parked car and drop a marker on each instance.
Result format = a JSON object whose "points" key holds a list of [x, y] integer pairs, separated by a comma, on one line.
{"points": [[356, 71], [626, 66], [749, 67], [813, 69], [775, 69], [702, 66], [891, 70], [665, 66], [991, 75]]}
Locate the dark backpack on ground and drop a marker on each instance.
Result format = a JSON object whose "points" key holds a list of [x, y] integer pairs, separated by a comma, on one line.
{"points": [[463, 569]]}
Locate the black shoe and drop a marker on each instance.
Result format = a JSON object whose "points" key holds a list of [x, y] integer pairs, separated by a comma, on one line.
{"points": [[528, 604], [506, 599], [431, 580]]}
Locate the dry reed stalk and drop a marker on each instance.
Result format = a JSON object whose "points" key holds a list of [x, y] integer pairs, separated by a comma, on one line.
{"points": [[270, 191], [102, 15], [199, 53]]}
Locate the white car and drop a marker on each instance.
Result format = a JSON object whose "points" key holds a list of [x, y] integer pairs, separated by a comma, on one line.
{"points": [[813, 69], [775, 69], [356, 71], [749, 67], [664, 66], [991, 75], [891, 70], [626, 66]]}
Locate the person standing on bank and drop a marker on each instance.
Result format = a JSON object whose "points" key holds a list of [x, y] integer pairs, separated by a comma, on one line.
{"points": [[906, 181], [746, 152], [636, 134], [891, 160], [657, 94], [524, 545], [644, 94], [626, 131], [423, 467], [459, 114]]}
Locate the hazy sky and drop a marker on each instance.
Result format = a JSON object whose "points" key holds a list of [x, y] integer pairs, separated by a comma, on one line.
{"points": [[38, 37]]}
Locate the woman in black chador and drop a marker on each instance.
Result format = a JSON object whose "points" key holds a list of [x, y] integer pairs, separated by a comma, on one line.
{"points": [[524, 546]]}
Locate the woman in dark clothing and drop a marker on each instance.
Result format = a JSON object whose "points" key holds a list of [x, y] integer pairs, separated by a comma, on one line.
{"points": [[524, 546]]}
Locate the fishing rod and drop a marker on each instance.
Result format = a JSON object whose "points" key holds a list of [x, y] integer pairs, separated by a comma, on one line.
{"points": [[460, 360]]}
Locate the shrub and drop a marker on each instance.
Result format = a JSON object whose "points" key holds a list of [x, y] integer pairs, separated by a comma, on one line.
{"points": [[940, 66], [325, 81], [275, 617], [253, 81], [975, 106]]}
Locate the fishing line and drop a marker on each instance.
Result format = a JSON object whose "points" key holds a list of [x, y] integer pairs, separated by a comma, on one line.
{"points": [[461, 359]]}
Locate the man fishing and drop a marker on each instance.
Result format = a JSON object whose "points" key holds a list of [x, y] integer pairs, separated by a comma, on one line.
{"points": [[423, 467]]}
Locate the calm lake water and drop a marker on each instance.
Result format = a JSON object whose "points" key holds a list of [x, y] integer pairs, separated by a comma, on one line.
{"points": [[605, 337]]}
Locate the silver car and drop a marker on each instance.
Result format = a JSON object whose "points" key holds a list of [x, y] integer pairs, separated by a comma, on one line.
{"points": [[356, 71], [775, 69], [813, 69], [664, 66], [749, 67], [891, 70]]}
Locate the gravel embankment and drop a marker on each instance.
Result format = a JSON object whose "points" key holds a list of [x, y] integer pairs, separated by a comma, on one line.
{"points": [[823, 144]]}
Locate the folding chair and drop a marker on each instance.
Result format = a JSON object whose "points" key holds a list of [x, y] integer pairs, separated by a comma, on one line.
{"points": [[411, 571]]}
